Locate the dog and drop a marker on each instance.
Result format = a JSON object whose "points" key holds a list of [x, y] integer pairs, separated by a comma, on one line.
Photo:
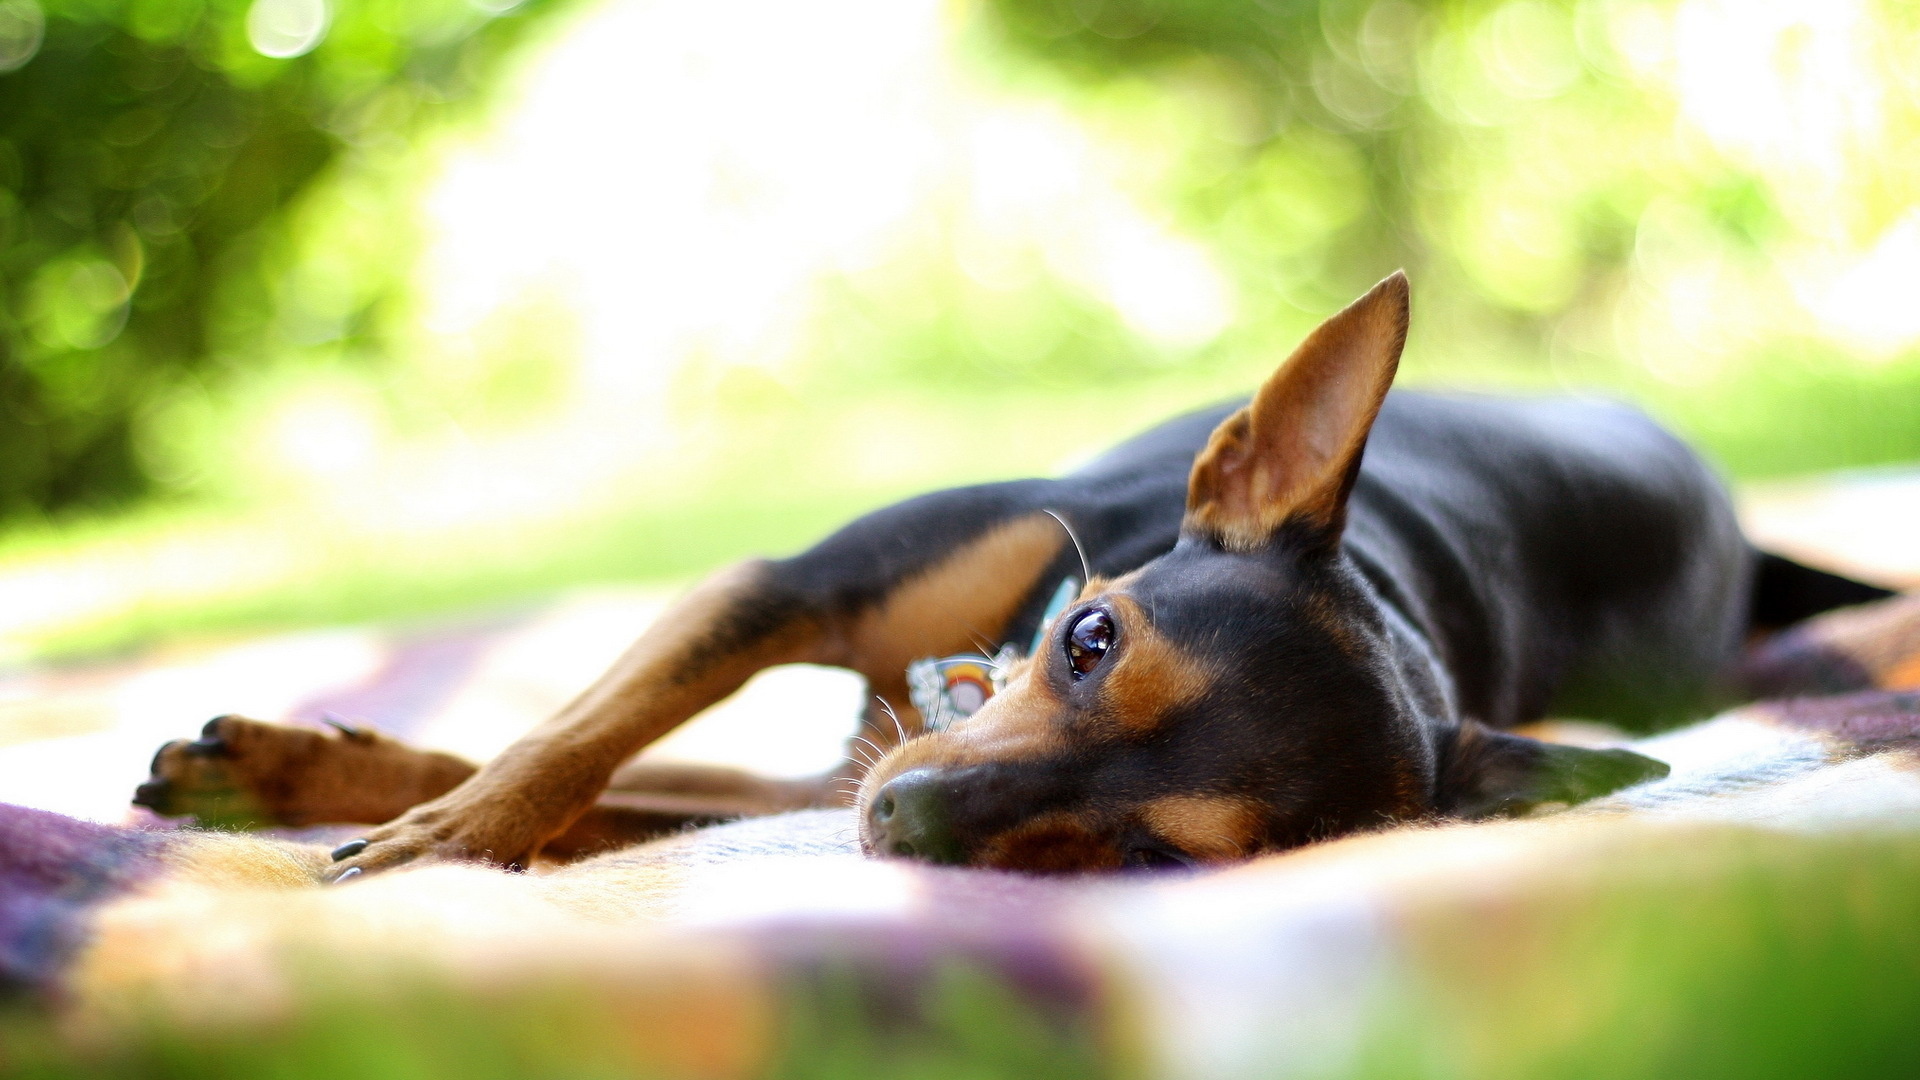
{"points": [[1254, 627]]}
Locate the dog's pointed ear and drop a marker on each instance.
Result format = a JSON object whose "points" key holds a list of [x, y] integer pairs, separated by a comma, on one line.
{"points": [[1291, 455], [1487, 773]]}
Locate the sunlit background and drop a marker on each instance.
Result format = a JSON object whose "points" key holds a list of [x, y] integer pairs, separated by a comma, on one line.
{"points": [[321, 311]]}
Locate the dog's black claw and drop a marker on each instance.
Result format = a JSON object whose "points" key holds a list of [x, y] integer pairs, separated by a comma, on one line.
{"points": [[351, 731], [154, 768], [348, 850], [349, 874], [152, 794], [211, 729], [207, 748]]}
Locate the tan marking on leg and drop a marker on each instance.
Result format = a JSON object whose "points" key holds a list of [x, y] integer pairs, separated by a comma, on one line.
{"points": [[1211, 828], [698, 652], [963, 602]]}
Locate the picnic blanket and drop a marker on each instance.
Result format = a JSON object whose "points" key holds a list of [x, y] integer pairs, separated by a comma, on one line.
{"points": [[1756, 912]]}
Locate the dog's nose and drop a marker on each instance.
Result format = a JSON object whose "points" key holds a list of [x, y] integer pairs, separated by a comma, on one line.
{"points": [[909, 817]]}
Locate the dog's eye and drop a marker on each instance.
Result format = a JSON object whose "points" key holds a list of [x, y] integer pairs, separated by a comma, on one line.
{"points": [[1088, 639], [1147, 857]]}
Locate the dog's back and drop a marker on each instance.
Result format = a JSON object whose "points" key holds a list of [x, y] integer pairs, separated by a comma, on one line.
{"points": [[1560, 552]]}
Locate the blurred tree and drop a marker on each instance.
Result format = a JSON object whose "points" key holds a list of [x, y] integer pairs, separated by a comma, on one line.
{"points": [[1310, 169], [1711, 206], [149, 152]]}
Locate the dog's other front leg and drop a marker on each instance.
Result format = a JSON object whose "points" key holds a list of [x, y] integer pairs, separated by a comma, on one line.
{"points": [[702, 649], [922, 578]]}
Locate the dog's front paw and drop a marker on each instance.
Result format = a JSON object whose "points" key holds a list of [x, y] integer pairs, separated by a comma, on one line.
{"points": [[452, 828], [246, 774], [211, 779]]}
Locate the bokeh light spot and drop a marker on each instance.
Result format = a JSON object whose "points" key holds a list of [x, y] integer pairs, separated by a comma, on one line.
{"points": [[77, 303], [22, 27], [284, 29]]}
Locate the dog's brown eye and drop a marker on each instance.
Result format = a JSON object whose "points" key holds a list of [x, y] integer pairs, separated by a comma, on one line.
{"points": [[1153, 857], [1088, 639]]}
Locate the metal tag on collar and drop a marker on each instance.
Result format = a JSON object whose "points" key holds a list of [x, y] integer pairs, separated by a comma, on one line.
{"points": [[947, 689], [1062, 596]]}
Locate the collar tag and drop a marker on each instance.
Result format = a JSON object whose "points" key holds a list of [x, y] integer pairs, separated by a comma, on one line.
{"points": [[1062, 596], [947, 689]]}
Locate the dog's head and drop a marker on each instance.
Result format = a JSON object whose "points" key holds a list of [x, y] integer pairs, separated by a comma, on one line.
{"points": [[1244, 692]]}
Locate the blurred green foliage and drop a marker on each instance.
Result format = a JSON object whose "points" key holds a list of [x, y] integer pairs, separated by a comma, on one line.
{"points": [[1648, 198], [1508, 151], [150, 159], [758, 257], [1293, 188]]}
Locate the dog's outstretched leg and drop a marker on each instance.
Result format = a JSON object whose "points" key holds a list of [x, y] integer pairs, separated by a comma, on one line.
{"points": [[247, 774], [923, 578]]}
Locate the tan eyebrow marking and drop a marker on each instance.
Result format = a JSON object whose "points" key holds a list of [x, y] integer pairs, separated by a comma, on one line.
{"points": [[1150, 674], [1211, 828]]}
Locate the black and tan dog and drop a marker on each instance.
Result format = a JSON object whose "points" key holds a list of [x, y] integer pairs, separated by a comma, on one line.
{"points": [[1279, 640]]}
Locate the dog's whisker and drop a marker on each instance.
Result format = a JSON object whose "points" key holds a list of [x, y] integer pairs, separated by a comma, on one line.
{"points": [[877, 749], [898, 727], [1086, 572]]}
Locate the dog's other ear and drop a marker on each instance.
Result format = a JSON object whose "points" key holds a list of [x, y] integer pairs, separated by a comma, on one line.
{"points": [[1291, 454], [1488, 773]]}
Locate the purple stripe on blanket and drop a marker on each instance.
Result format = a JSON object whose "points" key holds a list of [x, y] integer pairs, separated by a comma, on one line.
{"points": [[1856, 648], [1007, 927], [420, 675], [1875, 720], [53, 870], [1794, 663]]}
